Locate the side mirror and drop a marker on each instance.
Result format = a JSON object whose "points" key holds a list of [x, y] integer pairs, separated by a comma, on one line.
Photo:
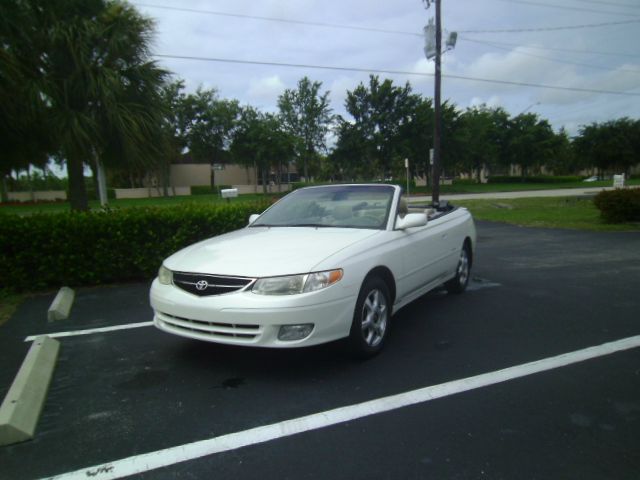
{"points": [[411, 220], [253, 218]]}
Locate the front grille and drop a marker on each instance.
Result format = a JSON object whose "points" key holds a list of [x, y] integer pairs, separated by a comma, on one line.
{"points": [[204, 285], [210, 330]]}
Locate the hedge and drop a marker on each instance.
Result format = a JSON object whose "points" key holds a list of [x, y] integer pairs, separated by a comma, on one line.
{"points": [[619, 205], [41, 251], [534, 179]]}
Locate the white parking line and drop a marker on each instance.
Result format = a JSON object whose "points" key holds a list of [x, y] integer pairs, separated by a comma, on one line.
{"points": [[89, 331], [182, 453]]}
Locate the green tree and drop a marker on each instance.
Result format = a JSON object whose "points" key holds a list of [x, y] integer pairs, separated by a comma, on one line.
{"points": [[306, 115], [483, 138], [87, 75], [416, 137], [454, 138], [174, 126], [210, 125], [381, 112], [531, 142], [350, 158], [564, 161], [612, 146], [24, 135], [261, 142]]}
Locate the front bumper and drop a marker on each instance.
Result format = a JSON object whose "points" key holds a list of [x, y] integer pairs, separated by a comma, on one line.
{"points": [[244, 318]]}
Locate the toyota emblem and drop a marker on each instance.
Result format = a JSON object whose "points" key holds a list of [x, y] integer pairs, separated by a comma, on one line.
{"points": [[202, 284]]}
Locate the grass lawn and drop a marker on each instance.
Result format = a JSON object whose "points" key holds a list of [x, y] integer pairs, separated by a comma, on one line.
{"points": [[8, 304], [516, 187], [29, 209], [554, 212]]}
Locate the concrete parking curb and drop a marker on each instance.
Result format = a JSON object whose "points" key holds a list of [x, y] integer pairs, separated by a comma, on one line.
{"points": [[61, 305], [21, 408]]}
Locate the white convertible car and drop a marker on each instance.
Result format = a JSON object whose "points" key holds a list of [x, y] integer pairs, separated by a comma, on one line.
{"points": [[321, 264]]}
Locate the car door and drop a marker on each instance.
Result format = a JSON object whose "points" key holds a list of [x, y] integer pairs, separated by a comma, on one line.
{"points": [[424, 253]]}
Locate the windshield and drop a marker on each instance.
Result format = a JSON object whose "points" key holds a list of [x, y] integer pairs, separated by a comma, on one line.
{"points": [[343, 206]]}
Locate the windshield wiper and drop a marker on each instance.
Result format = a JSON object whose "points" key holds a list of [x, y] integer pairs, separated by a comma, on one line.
{"points": [[316, 225], [309, 225]]}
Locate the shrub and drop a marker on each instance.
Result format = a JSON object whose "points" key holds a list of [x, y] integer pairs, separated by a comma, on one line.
{"points": [[400, 182], [297, 185], [618, 206], [106, 246]]}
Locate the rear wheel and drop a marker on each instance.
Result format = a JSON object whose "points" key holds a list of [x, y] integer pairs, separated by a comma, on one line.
{"points": [[458, 284], [371, 318]]}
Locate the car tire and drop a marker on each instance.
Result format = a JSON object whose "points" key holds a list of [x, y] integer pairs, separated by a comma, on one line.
{"points": [[458, 284], [371, 318]]}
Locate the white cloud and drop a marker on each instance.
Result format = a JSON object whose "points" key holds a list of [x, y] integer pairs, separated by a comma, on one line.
{"points": [[204, 35], [492, 101], [266, 90]]}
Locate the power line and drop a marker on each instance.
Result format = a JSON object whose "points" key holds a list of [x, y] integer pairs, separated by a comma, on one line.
{"points": [[557, 49], [564, 7], [280, 20], [613, 4], [397, 72], [550, 29], [377, 30], [567, 62]]}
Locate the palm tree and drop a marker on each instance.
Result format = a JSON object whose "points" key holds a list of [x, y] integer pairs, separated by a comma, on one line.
{"points": [[100, 92]]}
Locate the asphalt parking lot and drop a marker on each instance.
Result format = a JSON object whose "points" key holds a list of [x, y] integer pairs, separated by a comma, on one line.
{"points": [[536, 294]]}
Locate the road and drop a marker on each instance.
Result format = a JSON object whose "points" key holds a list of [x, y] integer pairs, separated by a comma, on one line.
{"points": [[561, 192], [536, 294]]}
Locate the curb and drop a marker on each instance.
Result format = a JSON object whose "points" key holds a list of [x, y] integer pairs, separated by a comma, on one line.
{"points": [[61, 305], [21, 408]]}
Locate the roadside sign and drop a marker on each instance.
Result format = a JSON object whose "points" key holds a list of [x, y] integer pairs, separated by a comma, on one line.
{"points": [[618, 181]]}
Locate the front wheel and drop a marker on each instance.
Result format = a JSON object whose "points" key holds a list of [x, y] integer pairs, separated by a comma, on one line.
{"points": [[458, 284], [371, 318]]}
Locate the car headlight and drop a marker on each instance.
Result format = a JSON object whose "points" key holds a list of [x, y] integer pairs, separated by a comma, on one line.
{"points": [[293, 284], [165, 276]]}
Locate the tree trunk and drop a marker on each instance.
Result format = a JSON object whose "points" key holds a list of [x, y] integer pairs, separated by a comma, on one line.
{"points": [[213, 177], [102, 184], [264, 180], [77, 190], [165, 175], [306, 165], [94, 178], [255, 175], [279, 176], [4, 197], [30, 184]]}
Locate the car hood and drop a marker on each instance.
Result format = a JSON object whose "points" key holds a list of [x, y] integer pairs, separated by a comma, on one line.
{"points": [[264, 251]]}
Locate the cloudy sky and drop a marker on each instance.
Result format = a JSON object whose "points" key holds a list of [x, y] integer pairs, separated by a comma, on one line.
{"points": [[600, 54]]}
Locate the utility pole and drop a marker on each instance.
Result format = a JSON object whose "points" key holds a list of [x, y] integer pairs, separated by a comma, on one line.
{"points": [[437, 129], [433, 49]]}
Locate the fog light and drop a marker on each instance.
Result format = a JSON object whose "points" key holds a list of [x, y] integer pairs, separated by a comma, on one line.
{"points": [[289, 333]]}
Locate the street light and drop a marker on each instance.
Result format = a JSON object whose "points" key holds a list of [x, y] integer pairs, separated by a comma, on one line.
{"points": [[528, 108]]}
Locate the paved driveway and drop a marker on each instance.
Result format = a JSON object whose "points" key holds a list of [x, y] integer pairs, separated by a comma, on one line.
{"points": [[560, 192], [537, 294]]}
